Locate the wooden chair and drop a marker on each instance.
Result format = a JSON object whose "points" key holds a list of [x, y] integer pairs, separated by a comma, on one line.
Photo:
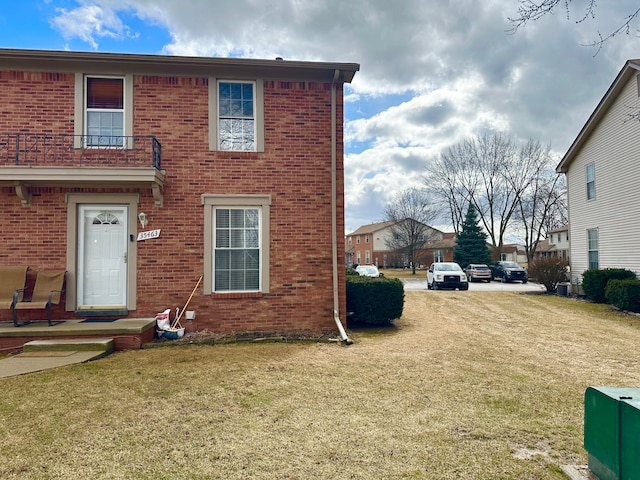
{"points": [[12, 282], [47, 292]]}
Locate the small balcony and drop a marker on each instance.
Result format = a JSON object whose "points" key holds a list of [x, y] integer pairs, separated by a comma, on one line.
{"points": [[31, 160]]}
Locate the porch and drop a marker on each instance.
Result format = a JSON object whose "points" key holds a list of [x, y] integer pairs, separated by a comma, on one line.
{"points": [[127, 333]]}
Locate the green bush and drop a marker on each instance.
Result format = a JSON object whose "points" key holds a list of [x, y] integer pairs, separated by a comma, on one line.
{"points": [[352, 272], [374, 301], [594, 282], [624, 294], [549, 271]]}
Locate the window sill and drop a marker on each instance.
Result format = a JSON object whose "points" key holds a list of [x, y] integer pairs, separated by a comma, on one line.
{"points": [[223, 295]]}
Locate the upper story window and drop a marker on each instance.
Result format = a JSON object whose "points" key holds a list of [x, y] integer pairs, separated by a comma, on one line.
{"points": [[349, 240], [591, 181], [104, 125], [366, 239], [358, 239], [236, 116]]}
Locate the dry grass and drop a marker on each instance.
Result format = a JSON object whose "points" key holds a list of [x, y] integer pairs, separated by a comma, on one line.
{"points": [[468, 385], [403, 273]]}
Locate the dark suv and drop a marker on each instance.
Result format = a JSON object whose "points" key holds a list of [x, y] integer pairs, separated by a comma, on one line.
{"points": [[509, 272]]}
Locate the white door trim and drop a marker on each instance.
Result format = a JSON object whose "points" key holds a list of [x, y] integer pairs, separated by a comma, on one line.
{"points": [[73, 201]]}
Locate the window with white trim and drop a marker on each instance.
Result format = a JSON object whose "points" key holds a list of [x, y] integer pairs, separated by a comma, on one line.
{"points": [[592, 248], [438, 256], [236, 256], [104, 111], [236, 263], [367, 257], [591, 181], [236, 116]]}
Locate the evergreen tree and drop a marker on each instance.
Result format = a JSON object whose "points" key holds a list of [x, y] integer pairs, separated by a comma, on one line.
{"points": [[471, 241]]}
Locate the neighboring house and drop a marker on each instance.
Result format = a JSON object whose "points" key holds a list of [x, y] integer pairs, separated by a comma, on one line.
{"points": [[369, 244], [512, 252], [441, 249], [603, 173], [228, 168], [556, 245]]}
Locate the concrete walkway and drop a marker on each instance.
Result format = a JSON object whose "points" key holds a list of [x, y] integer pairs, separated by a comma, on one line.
{"points": [[29, 362]]}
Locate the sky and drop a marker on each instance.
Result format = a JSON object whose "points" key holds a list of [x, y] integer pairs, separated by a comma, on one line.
{"points": [[432, 72]]}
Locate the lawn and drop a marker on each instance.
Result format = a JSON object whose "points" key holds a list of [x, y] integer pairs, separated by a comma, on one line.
{"points": [[467, 385]]}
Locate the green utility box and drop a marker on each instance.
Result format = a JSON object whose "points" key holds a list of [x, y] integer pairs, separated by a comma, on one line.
{"points": [[630, 438], [611, 426]]}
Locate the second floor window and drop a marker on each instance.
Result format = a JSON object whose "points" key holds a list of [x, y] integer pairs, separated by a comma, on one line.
{"points": [[104, 112], [366, 239], [591, 181], [236, 112]]}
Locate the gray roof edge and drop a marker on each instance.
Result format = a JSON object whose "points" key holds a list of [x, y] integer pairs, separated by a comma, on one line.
{"points": [[623, 76], [143, 63]]}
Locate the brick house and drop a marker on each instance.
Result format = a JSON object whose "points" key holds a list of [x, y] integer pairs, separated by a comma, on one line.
{"points": [[368, 244], [139, 173]]}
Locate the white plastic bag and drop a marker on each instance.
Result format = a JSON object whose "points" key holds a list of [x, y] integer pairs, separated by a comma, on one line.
{"points": [[162, 320]]}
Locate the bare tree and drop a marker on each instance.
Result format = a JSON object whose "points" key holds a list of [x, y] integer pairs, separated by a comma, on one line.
{"points": [[411, 212], [503, 181], [541, 203], [529, 10], [473, 171]]}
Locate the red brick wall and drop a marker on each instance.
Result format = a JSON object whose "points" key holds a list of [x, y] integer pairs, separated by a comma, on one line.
{"points": [[295, 169]]}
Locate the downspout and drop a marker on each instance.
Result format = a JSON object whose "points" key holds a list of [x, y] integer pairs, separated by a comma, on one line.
{"points": [[334, 211]]}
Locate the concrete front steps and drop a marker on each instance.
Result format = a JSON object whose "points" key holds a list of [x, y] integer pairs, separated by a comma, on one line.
{"points": [[40, 355]]}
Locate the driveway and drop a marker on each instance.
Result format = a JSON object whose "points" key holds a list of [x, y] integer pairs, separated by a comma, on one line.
{"points": [[413, 284]]}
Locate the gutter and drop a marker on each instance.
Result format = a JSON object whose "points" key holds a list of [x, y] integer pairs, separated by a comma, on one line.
{"points": [[334, 211]]}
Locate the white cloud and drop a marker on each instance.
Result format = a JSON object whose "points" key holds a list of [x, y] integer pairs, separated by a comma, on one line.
{"points": [[450, 65], [90, 22]]}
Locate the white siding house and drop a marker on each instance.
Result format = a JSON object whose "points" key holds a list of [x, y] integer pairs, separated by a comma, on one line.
{"points": [[602, 168]]}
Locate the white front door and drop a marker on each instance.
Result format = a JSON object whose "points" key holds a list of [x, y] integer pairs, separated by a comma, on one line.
{"points": [[102, 256]]}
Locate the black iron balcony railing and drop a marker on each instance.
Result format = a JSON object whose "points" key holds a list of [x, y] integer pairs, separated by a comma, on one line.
{"points": [[59, 150]]}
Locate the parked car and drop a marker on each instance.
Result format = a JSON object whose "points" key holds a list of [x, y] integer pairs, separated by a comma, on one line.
{"points": [[509, 272], [368, 271], [446, 275], [478, 271]]}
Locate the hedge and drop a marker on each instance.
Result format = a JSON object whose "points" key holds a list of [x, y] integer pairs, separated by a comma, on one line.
{"points": [[594, 282], [624, 294], [374, 301]]}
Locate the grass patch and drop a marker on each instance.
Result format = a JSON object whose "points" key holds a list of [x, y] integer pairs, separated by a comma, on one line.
{"points": [[403, 273], [471, 385]]}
